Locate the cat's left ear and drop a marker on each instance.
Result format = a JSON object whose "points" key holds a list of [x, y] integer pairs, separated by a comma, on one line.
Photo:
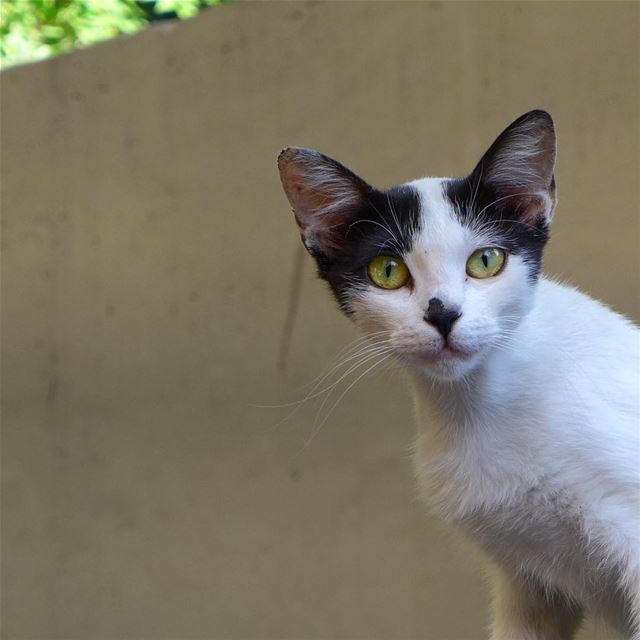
{"points": [[518, 168], [326, 197]]}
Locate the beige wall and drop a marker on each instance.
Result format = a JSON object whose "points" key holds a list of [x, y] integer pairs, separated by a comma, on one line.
{"points": [[148, 254]]}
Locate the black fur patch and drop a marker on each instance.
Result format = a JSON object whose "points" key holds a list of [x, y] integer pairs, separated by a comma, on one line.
{"points": [[386, 224], [476, 203]]}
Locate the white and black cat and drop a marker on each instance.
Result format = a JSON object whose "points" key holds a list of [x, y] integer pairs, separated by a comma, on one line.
{"points": [[527, 392]]}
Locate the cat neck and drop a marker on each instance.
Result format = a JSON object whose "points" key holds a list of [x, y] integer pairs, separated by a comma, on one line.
{"points": [[500, 380], [459, 406]]}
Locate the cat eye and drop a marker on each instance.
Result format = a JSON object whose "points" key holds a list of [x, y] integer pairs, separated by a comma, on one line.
{"points": [[387, 272], [485, 263]]}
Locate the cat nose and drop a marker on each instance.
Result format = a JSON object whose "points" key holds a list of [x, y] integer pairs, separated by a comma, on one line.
{"points": [[440, 317]]}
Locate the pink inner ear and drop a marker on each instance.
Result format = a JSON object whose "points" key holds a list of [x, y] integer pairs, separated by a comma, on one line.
{"points": [[298, 192], [308, 201], [323, 193], [305, 207], [534, 208]]}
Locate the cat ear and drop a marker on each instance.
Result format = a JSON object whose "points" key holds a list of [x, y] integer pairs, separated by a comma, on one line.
{"points": [[518, 168], [326, 197]]}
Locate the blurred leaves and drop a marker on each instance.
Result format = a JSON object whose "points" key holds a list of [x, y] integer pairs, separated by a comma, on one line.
{"points": [[35, 29]]}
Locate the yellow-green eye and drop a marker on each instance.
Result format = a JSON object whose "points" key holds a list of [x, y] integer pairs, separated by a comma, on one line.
{"points": [[485, 263], [388, 273]]}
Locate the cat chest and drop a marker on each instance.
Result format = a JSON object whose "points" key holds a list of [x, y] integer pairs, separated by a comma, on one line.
{"points": [[533, 528], [546, 540], [525, 506], [541, 533]]}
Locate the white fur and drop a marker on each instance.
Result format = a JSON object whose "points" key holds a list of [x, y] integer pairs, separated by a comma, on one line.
{"points": [[517, 162], [529, 436]]}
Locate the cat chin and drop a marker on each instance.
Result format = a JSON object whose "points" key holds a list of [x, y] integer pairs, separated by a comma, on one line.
{"points": [[446, 365]]}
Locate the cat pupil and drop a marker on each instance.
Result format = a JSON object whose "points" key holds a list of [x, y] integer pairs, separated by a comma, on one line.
{"points": [[388, 269], [485, 259]]}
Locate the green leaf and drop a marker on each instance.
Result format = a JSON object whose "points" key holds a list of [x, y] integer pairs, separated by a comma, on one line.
{"points": [[36, 29]]}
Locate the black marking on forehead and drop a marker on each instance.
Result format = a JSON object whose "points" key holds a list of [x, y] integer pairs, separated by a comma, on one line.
{"points": [[386, 224], [475, 204]]}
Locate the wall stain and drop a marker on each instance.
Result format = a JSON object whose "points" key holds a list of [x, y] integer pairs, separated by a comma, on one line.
{"points": [[52, 390], [295, 291]]}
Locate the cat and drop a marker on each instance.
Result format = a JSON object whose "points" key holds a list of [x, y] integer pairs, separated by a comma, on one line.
{"points": [[526, 391]]}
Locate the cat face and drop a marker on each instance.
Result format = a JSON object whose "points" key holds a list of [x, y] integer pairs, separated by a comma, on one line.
{"points": [[440, 269]]}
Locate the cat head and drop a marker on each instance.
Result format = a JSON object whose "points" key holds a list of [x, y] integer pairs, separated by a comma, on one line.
{"points": [[440, 269]]}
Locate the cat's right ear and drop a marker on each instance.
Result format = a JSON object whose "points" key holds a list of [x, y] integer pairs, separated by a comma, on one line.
{"points": [[518, 168], [326, 197]]}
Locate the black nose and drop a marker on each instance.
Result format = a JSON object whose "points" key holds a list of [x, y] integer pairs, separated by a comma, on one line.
{"points": [[441, 317]]}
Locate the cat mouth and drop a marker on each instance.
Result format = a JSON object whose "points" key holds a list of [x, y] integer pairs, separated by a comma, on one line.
{"points": [[449, 352], [446, 353]]}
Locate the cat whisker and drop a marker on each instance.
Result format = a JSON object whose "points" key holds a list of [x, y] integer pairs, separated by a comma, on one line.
{"points": [[369, 352], [395, 242], [345, 351], [318, 426], [477, 188], [366, 356], [393, 213]]}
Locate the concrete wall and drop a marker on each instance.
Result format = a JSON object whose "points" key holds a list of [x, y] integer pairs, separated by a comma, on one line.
{"points": [[148, 258]]}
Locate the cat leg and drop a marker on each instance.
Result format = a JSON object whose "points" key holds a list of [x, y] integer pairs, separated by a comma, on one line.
{"points": [[526, 611], [633, 591], [635, 616]]}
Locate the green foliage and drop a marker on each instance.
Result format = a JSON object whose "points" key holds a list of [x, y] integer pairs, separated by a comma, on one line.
{"points": [[36, 29]]}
